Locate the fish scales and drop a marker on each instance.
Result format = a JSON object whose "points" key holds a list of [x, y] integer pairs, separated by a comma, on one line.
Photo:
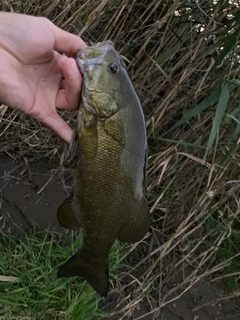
{"points": [[109, 199]]}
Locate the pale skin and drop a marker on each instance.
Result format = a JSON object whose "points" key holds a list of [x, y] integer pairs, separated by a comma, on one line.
{"points": [[34, 77]]}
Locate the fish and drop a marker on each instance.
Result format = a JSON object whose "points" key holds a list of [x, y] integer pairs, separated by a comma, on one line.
{"points": [[109, 192]]}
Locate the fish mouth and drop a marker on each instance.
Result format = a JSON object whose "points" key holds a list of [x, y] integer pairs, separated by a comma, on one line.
{"points": [[81, 61], [92, 55]]}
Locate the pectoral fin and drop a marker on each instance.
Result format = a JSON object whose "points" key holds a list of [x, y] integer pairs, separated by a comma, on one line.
{"points": [[138, 225], [96, 276], [67, 217]]}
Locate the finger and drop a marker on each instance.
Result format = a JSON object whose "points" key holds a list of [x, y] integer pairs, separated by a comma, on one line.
{"points": [[58, 126], [60, 60], [69, 97], [61, 101], [66, 42], [62, 85]]}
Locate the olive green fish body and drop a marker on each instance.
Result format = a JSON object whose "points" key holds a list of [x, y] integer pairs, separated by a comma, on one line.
{"points": [[109, 195]]}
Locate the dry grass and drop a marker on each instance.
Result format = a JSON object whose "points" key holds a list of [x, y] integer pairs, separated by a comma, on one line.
{"points": [[193, 168]]}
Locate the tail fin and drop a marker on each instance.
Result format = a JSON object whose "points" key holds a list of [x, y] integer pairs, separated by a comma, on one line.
{"points": [[97, 277]]}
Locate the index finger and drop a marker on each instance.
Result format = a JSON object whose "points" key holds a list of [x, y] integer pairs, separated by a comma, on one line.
{"points": [[66, 42]]}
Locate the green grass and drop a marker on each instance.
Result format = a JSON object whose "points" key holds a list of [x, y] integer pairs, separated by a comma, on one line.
{"points": [[38, 293]]}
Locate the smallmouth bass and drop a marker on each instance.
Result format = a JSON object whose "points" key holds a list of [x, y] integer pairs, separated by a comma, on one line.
{"points": [[108, 200]]}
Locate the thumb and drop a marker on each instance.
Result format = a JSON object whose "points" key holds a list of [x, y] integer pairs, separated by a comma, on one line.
{"points": [[66, 42], [58, 126]]}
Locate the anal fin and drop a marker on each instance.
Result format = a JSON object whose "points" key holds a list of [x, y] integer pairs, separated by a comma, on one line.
{"points": [[137, 225], [67, 217]]}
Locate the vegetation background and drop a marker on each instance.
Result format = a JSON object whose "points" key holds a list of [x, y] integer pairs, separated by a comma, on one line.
{"points": [[183, 58]]}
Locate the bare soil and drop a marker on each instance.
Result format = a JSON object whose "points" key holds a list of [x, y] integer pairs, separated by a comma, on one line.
{"points": [[23, 205], [30, 193]]}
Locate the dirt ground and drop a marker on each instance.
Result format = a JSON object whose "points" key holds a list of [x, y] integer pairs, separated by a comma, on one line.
{"points": [[30, 193]]}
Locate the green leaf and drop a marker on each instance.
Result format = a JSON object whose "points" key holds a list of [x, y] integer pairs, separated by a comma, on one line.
{"points": [[234, 118], [220, 111], [228, 46], [184, 143], [213, 98]]}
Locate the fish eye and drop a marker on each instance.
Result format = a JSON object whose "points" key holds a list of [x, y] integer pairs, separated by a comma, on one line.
{"points": [[114, 68]]}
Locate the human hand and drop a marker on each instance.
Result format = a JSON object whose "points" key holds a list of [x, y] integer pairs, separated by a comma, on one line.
{"points": [[35, 78]]}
